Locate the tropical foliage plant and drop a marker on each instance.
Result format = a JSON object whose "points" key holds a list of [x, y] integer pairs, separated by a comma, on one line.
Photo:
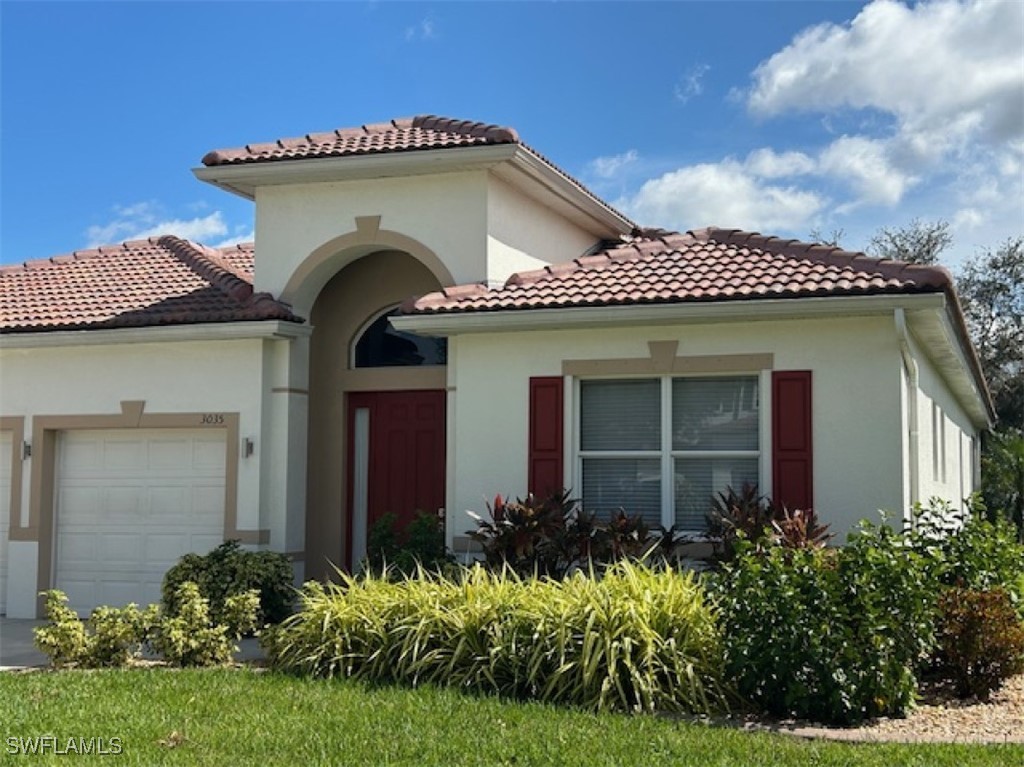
{"points": [[636, 639]]}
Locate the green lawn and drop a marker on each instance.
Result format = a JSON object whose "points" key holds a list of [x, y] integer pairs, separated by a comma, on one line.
{"points": [[237, 717]]}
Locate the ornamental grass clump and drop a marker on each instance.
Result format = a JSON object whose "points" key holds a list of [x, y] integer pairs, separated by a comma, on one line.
{"points": [[637, 639]]}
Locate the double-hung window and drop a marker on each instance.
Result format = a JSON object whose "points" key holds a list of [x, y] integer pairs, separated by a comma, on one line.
{"points": [[662, 447]]}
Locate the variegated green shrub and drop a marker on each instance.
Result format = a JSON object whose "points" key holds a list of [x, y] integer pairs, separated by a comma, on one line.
{"points": [[635, 639]]}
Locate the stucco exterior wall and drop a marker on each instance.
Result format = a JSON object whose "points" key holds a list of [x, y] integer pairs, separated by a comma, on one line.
{"points": [[945, 453], [523, 235], [446, 212], [223, 376], [856, 403]]}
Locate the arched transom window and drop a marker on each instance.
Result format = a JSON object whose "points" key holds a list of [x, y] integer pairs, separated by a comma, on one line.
{"points": [[379, 345]]}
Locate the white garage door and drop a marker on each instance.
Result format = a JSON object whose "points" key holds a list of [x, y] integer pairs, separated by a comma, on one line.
{"points": [[129, 503], [6, 446]]}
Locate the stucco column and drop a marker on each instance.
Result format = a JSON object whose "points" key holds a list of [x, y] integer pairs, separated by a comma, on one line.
{"points": [[283, 459]]}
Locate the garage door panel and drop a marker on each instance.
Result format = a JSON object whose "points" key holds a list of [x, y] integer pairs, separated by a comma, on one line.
{"points": [[206, 500], [81, 458], [155, 496], [209, 456], [169, 501], [78, 548], [127, 456], [128, 502], [122, 548]]}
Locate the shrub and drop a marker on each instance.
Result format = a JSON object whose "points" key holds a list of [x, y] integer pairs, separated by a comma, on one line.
{"points": [[118, 634], [832, 634], [191, 638], [64, 641], [528, 535], [229, 570], [421, 543], [637, 639], [110, 637], [554, 536], [755, 518], [113, 636], [980, 639]]}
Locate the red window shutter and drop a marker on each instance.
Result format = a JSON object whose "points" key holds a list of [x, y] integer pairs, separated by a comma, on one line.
{"points": [[545, 458], [792, 470]]}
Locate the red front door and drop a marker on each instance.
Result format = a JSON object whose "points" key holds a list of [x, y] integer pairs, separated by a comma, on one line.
{"points": [[396, 459]]}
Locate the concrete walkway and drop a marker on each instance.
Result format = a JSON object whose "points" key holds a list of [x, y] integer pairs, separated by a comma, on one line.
{"points": [[16, 646], [18, 650]]}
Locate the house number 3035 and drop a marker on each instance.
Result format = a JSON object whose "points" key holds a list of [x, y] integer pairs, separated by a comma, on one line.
{"points": [[212, 419]]}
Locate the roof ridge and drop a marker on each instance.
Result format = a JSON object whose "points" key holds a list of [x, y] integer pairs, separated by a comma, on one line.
{"points": [[498, 133], [495, 133], [830, 255], [209, 265]]}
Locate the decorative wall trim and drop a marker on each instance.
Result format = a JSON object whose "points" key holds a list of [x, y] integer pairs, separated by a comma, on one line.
{"points": [[664, 359], [289, 390], [15, 424]]}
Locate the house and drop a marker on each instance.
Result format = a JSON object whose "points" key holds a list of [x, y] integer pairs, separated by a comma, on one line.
{"points": [[435, 313]]}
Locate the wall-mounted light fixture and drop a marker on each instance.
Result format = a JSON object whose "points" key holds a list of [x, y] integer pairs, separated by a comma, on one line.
{"points": [[248, 446], [26, 449]]}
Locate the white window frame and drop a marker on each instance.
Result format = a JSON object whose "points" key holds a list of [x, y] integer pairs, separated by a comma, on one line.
{"points": [[666, 455]]}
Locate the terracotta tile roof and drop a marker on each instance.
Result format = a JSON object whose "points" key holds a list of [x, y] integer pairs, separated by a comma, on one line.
{"points": [[660, 267], [159, 281], [400, 135], [404, 134]]}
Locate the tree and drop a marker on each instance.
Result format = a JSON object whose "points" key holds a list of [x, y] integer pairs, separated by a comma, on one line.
{"points": [[1002, 471], [920, 242], [991, 287], [832, 238]]}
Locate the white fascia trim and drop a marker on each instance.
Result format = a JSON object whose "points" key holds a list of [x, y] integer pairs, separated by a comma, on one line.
{"points": [[650, 314], [213, 331], [964, 372], [243, 179]]}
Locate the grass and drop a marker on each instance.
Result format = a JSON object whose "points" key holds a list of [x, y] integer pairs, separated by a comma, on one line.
{"points": [[224, 716]]}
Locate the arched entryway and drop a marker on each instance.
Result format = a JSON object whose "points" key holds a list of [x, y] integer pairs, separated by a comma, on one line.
{"points": [[373, 395]]}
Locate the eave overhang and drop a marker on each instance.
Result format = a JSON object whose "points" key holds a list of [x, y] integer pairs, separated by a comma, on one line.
{"points": [[514, 163], [931, 317], [209, 331]]}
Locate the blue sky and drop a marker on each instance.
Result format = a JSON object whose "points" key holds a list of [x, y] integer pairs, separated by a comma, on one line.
{"points": [[778, 117]]}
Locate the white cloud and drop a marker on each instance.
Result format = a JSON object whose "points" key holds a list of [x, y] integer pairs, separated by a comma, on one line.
{"points": [[865, 165], [691, 83], [767, 163], [424, 30], [948, 72], [145, 219], [242, 234], [724, 194], [609, 167]]}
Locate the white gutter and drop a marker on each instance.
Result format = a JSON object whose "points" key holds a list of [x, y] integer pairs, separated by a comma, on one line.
{"points": [[456, 323], [910, 365], [211, 331]]}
